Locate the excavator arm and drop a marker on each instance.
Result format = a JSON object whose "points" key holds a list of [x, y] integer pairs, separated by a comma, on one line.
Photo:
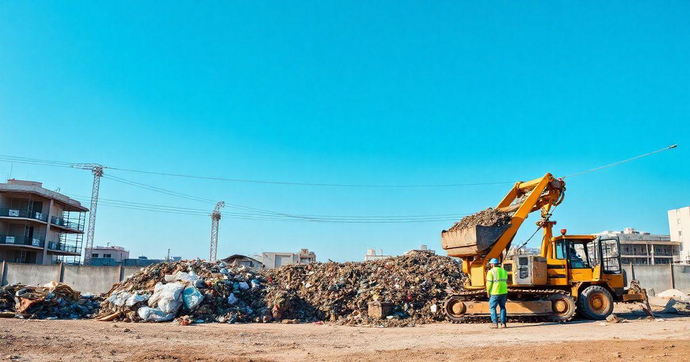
{"points": [[524, 198]]}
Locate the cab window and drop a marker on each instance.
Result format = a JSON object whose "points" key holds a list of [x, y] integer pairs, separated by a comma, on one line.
{"points": [[578, 256], [560, 250]]}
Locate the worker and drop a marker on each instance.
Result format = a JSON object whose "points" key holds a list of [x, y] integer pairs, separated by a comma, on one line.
{"points": [[497, 290]]}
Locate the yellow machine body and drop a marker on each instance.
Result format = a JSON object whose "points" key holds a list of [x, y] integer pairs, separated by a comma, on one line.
{"points": [[571, 264]]}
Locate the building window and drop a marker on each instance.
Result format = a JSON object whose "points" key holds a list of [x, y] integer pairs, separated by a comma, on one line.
{"points": [[107, 255], [94, 255]]}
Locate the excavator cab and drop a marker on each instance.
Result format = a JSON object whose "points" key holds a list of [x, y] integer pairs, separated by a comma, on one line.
{"points": [[591, 267]]}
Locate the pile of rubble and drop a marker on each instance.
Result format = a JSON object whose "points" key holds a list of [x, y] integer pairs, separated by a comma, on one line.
{"points": [[198, 290], [51, 301], [488, 217], [414, 285]]}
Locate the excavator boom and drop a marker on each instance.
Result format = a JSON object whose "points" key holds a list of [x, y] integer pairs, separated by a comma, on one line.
{"points": [[479, 243]]}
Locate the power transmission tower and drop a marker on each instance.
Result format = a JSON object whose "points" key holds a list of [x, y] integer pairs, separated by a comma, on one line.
{"points": [[215, 221], [97, 171]]}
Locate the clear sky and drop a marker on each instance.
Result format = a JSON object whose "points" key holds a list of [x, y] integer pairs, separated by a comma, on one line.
{"points": [[367, 92]]}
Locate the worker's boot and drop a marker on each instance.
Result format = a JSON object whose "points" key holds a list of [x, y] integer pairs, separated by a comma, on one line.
{"points": [[503, 325], [494, 326]]}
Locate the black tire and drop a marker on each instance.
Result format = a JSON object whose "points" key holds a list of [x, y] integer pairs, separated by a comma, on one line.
{"points": [[595, 302], [563, 307]]}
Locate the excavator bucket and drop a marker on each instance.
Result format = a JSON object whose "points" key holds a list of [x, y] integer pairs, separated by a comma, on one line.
{"points": [[471, 240]]}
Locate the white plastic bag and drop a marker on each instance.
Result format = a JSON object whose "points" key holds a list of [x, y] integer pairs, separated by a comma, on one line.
{"points": [[167, 297], [154, 315]]}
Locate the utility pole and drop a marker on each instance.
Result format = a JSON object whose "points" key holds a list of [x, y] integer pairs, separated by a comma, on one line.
{"points": [[215, 222], [97, 171]]}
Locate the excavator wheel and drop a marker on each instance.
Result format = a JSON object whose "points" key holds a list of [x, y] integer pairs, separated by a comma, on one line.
{"points": [[454, 308], [595, 302], [563, 307]]}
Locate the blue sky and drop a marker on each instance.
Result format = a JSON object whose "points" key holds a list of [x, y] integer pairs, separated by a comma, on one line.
{"points": [[348, 92]]}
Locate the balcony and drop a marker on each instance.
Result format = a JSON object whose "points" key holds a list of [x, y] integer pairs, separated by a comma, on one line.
{"points": [[57, 246], [24, 214], [66, 224], [22, 241]]}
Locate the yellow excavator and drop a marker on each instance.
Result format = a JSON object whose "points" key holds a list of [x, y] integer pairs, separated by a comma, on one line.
{"points": [[572, 272]]}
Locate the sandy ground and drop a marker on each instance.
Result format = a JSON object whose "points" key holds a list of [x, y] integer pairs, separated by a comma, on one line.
{"points": [[635, 339]]}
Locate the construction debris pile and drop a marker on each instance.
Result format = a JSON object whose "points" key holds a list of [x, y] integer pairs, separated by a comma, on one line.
{"points": [[415, 285], [51, 301], [488, 217], [673, 301], [198, 290]]}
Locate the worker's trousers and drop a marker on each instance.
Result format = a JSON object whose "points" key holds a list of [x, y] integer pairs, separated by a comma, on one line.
{"points": [[500, 302]]}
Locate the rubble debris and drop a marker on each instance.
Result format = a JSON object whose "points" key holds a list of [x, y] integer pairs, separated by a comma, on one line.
{"points": [[488, 217], [612, 318], [378, 310], [412, 285], [51, 301], [209, 291], [677, 307], [674, 294]]}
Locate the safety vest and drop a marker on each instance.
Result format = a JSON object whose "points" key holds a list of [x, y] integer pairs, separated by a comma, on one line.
{"points": [[497, 281]]}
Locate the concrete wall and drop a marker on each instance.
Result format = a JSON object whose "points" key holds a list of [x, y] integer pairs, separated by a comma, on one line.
{"points": [[657, 277], [681, 277], [86, 279], [660, 277], [30, 274], [91, 279], [130, 270]]}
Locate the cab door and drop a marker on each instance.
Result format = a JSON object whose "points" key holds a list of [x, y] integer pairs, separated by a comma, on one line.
{"points": [[610, 269], [557, 267]]}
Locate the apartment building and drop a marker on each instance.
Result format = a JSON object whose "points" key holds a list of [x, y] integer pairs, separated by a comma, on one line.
{"points": [[109, 255], [276, 259], [39, 226], [372, 255], [679, 226], [639, 247]]}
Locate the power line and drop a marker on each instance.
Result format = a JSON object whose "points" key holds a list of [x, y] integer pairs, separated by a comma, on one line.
{"points": [[317, 218], [315, 184], [39, 162], [623, 161], [52, 163]]}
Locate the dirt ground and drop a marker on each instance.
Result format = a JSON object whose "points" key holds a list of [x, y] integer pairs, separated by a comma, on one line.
{"points": [[635, 339]]}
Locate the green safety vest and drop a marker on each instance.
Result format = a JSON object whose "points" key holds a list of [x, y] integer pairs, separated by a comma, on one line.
{"points": [[497, 281]]}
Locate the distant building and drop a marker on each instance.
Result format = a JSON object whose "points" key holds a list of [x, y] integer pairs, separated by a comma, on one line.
{"points": [[141, 261], [243, 260], [108, 255], [524, 251], [371, 255], [276, 259], [39, 226], [421, 248], [679, 226], [117, 255], [639, 247]]}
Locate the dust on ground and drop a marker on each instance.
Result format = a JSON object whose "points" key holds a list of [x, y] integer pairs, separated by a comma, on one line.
{"points": [[634, 339]]}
